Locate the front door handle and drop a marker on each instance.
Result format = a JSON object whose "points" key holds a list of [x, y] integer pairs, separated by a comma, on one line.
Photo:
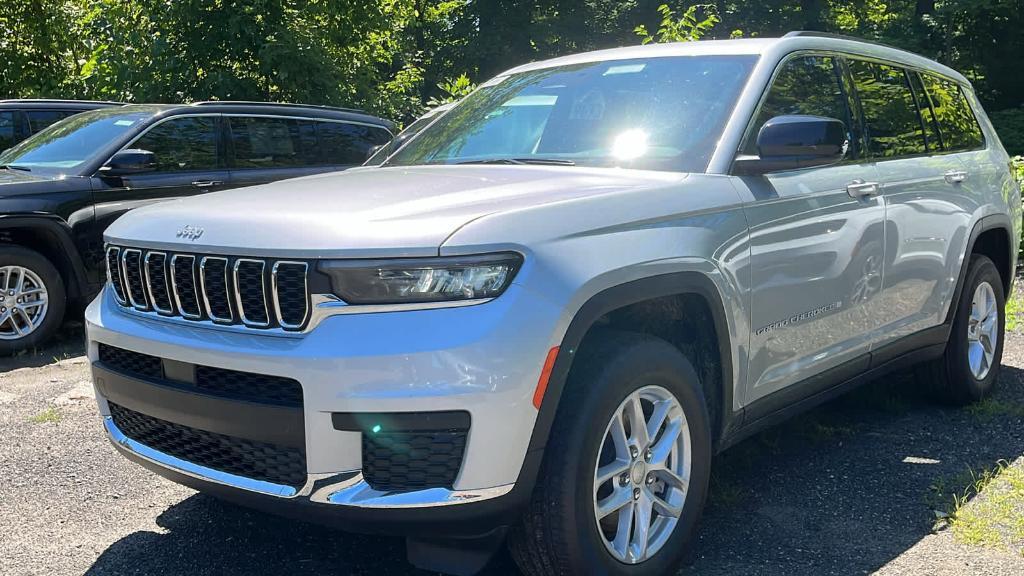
{"points": [[206, 183], [956, 176], [862, 189]]}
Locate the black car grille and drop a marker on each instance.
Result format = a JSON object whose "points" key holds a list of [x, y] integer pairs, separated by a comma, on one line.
{"points": [[405, 461], [221, 382], [248, 458], [249, 386], [256, 293], [133, 363]]}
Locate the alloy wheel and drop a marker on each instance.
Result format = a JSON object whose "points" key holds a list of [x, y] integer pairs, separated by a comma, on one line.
{"points": [[23, 302], [982, 330], [642, 474]]}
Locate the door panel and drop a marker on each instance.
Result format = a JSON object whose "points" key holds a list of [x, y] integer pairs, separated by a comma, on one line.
{"points": [[816, 252]]}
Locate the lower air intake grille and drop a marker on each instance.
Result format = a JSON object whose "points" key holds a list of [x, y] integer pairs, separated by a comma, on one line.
{"points": [[247, 458], [128, 362], [406, 461], [249, 386]]}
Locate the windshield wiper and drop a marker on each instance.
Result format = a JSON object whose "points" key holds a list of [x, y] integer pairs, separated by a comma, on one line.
{"points": [[15, 167], [539, 161]]}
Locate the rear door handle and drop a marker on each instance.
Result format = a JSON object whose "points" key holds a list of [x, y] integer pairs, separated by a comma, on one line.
{"points": [[862, 189], [206, 183], [956, 176]]}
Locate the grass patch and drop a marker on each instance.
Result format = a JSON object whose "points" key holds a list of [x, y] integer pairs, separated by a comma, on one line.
{"points": [[1014, 311], [990, 408], [51, 414], [995, 518]]}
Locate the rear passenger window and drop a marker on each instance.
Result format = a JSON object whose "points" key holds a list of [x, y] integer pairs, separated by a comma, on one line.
{"points": [[39, 119], [342, 143], [891, 120], [7, 130], [958, 125], [807, 85], [273, 142], [183, 144]]}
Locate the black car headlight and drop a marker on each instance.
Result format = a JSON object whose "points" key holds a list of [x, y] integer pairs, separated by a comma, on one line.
{"points": [[419, 280]]}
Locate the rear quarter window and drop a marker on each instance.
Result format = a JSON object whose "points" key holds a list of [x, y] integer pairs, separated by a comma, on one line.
{"points": [[343, 143]]}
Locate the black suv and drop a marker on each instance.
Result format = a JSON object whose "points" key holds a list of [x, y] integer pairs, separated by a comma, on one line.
{"points": [[20, 119], [62, 187]]}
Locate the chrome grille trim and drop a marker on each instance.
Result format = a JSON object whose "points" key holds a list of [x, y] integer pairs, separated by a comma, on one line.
{"points": [[227, 290], [127, 278], [190, 290], [119, 292], [149, 281], [263, 293], [277, 300], [174, 285]]}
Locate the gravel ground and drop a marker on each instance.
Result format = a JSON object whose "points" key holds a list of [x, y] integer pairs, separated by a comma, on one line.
{"points": [[849, 488]]}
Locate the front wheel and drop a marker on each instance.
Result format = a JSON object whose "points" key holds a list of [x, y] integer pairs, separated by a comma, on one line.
{"points": [[626, 468], [32, 299], [968, 370]]}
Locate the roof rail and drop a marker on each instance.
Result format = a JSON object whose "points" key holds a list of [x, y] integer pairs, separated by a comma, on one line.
{"points": [[59, 101], [278, 104], [816, 34]]}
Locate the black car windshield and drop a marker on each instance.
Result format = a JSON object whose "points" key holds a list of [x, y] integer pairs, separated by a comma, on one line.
{"points": [[663, 113], [76, 139]]}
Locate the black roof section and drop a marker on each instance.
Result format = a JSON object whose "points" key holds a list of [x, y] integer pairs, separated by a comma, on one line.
{"points": [[289, 108], [57, 104]]}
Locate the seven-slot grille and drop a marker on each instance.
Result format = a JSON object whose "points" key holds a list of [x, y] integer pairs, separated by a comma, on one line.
{"points": [[254, 292]]}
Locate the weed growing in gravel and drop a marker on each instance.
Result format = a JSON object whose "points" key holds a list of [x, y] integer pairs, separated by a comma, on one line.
{"points": [[1014, 311], [994, 518], [990, 408], [51, 414]]}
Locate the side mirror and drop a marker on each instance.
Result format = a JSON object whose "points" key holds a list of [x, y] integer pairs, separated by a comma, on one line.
{"points": [[129, 161], [373, 150], [794, 142]]}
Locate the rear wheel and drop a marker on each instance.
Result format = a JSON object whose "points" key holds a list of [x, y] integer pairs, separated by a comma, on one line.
{"points": [[626, 468], [32, 299], [968, 370]]}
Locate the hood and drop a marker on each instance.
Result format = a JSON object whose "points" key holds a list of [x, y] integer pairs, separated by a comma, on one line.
{"points": [[20, 182], [395, 211]]}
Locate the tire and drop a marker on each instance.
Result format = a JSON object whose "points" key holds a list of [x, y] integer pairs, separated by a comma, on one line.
{"points": [[953, 378], [39, 270], [560, 534]]}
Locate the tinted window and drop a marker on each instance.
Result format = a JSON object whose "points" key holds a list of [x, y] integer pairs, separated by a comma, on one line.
{"points": [[273, 142], [68, 144], [39, 119], [957, 123], [342, 143], [806, 85], [890, 113], [931, 126], [662, 113], [7, 128], [182, 144]]}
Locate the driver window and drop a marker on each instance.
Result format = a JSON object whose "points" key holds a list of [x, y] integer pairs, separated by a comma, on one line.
{"points": [[182, 144], [807, 85]]}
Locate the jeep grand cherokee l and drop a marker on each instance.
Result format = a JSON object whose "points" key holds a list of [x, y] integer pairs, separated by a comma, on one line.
{"points": [[542, 315], [61, 188]]}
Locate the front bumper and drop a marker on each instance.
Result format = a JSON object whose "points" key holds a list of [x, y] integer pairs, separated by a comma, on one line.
{"points": [[484, 360]]}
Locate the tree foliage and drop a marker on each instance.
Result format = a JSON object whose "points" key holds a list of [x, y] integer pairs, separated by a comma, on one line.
{"points": [[393, 56]]}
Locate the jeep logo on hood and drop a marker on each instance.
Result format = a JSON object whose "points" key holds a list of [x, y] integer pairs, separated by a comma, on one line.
{"points": [[190, 232]]}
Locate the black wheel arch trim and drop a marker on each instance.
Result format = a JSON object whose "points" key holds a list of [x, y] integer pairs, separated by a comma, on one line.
{"points": [[984, 224], [58, 230], [610, 299]]}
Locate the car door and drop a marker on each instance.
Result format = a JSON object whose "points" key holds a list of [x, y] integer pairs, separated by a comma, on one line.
{"points": [[926, 213], [816, 246], [189, 161]]}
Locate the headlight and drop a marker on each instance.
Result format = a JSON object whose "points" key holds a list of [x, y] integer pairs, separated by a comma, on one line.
{"points": [[412, 280]]}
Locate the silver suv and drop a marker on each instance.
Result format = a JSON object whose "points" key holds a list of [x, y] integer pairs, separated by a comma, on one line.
{"points": [[540, 318]]}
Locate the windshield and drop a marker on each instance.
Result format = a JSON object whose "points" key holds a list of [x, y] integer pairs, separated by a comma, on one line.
{"points": [[662, 113], [411, 130], [74, 140]]}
